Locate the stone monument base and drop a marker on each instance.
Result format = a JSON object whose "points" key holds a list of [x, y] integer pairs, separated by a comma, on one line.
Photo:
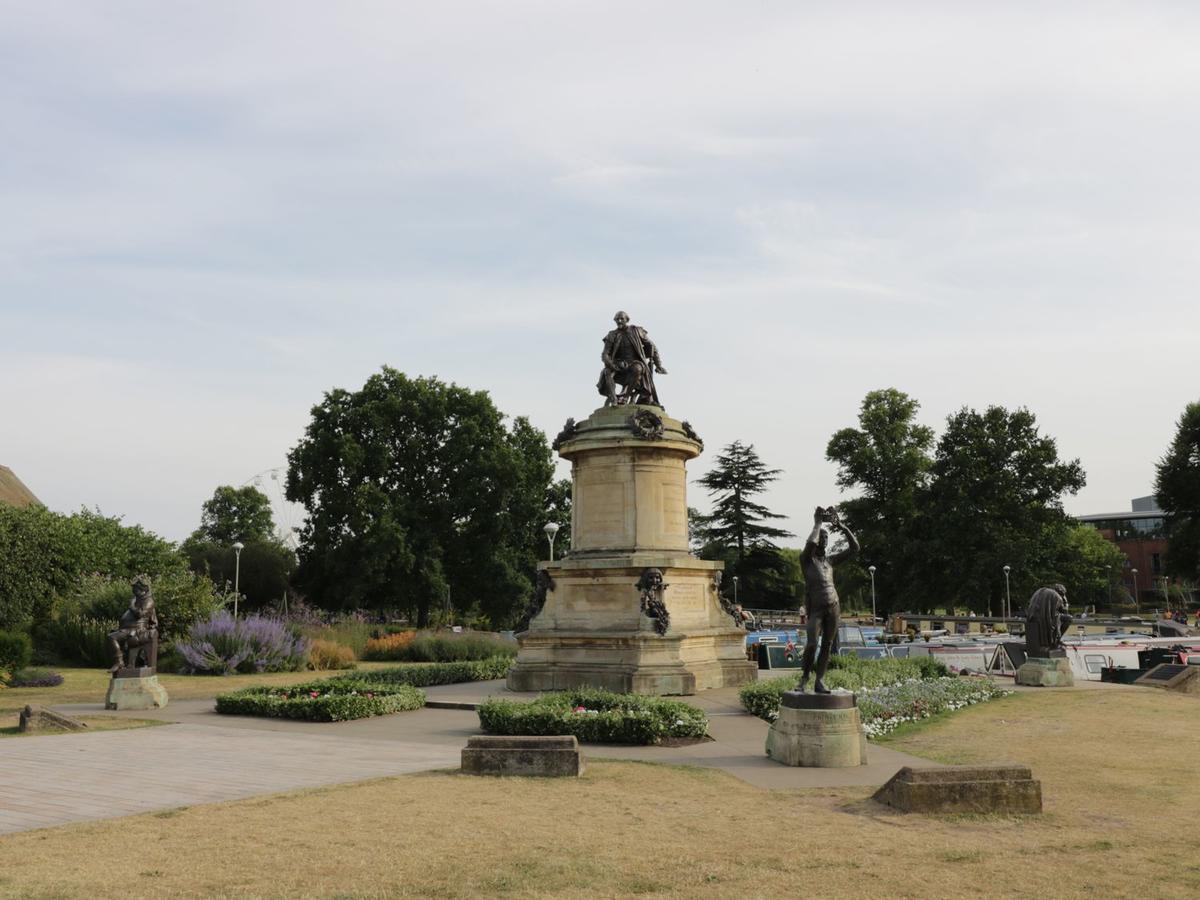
{"points": [[963, 789], [818, 730], [135, 689], [1043, 672], [546, 756]]}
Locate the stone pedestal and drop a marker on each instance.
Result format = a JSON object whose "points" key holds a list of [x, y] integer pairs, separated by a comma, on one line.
{"points": [[135, 689], [818, 730], [630, 515], [963, 789], [1042, 672], [545, 756]]}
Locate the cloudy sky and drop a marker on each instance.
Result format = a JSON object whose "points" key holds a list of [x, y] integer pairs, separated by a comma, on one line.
{"points": [[214, 212]]}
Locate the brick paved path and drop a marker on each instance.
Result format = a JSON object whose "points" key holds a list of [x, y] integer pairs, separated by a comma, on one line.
{"points": [[56, 779]]}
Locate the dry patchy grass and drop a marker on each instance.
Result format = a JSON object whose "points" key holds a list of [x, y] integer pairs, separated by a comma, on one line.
{"points": [[1116, 767], [90, 686]]}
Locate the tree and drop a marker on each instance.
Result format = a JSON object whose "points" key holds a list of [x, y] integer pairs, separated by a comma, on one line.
{"points": [[236, 514], [1177, 487], [887, 460], [735, 531], [995, 499], [417, 493], [1089, 566]]}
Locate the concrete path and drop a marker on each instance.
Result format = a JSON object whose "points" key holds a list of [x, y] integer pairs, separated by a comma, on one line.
{"points": [[57, 779], [205, 757]]}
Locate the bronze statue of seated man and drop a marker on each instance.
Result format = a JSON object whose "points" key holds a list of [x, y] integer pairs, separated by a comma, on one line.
{"points": [[137, 634]]}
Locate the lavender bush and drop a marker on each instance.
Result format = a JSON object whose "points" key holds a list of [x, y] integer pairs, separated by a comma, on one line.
{"points": [[223, 646]]}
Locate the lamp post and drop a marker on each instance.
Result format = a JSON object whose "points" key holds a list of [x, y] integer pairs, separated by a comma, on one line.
{"points": [[551, 530], [1137, 607], [1007, 594], [735, 599], [237, 574], [871, 569]]}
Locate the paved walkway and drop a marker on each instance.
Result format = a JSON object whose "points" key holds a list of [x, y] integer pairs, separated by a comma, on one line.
{"points": [[205, 757]]}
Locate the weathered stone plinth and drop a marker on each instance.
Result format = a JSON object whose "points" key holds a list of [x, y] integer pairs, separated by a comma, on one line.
{"points": [[37, 719], [549, 756], [963, 789], [135, 689], [1041, 672], [630, 515], [818, 730]]}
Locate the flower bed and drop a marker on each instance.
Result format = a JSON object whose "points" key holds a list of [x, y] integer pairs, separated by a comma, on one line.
{"points": [[427, 674], [762, 698], [884, 709], [224, 645], [30, 678], [331, 700], [426, 646], [595, 716]]}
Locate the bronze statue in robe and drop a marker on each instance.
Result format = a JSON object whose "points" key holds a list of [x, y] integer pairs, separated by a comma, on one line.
{"points": [[630, 360], [1046, 621], [137, 631]]}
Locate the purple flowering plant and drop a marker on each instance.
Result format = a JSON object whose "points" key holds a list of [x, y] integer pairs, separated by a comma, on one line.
{"points": [[224, 645]]}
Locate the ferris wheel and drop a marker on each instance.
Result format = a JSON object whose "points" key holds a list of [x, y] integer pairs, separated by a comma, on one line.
{"points": [[288, 516]]}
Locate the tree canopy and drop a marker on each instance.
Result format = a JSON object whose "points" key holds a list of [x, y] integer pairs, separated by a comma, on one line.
{"points": [[737, 532], [236, 514], [417, 493], [1177, 487]]}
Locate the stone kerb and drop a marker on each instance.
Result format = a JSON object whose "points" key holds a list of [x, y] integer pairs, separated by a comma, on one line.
{"points": [[36, 719], [544, 756], [963, 789]]}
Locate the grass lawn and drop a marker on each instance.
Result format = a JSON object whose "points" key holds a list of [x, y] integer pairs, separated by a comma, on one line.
{"points": [[10, 725], [90, 686], [1118, 771]]}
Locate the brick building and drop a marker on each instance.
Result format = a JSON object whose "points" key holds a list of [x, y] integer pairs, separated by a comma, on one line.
{"points": [[1139, 535]]}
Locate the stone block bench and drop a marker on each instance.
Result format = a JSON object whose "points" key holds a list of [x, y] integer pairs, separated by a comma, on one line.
{"points": [[522, 755], [963, 789]]}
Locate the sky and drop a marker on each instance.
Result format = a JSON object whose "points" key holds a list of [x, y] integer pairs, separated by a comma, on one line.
{"points": [[215, 212]]}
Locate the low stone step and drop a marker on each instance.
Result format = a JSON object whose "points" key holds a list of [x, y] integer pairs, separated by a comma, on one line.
{"points": [[963, 789], [541, 755]]}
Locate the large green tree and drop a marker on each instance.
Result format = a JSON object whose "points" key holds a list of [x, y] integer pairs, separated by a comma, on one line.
{"points": [[737, 531], [236, 514], [1177, 487], [417, 492], [995, 499], [887, 461]]}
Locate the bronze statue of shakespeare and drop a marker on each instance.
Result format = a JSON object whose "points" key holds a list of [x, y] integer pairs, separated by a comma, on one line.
{"points": [[1046, 621], [137, 633], [630, 360], [821, 596]]}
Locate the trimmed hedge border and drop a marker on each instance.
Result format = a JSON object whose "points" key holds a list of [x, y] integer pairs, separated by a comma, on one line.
{"points": [[429, 674], [762, 698], [595, 716], [330, 700]]}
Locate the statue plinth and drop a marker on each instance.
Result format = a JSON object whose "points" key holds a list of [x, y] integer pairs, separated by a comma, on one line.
{"points": [[818, 730], [135, 688], [630, 609], [1046, 671]]}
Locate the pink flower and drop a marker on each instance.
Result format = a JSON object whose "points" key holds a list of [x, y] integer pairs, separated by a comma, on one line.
{"points": [[580, 709], [312, 694]]}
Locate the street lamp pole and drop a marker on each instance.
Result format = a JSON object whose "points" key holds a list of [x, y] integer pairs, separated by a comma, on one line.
{"points": [[237, 574], [735, 599], [871, 569], [1007, 594], [1137, 607], [551, 530]]}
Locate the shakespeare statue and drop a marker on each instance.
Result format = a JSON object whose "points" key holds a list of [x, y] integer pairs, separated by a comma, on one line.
{"points": [[821, 596], [1046, 621], [137, 634], [630, 360]]}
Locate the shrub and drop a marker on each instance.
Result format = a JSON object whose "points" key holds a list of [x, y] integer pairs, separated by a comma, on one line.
{"points": [[330, 655], [762, 698], [15, 650], [350, 633], [596, 716], [30, 678], [224, 645], [75, 639], [885, 708], [331, 700], [428, 674], [429, 647], [390, 646]]}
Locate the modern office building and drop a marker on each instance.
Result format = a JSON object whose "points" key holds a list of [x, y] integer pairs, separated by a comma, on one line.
{"points": [[1140, 535]]}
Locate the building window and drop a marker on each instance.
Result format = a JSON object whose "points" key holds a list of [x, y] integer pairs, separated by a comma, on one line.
{"points": [[1156, 563]]}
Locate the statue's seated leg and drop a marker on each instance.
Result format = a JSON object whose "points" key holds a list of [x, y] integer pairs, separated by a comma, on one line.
{"points": [[115, 640]]}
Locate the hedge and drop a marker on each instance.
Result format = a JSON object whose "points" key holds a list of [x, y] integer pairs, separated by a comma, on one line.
{"points": [[428, 674], [330, 700], [762, 698], [595, 716]]}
